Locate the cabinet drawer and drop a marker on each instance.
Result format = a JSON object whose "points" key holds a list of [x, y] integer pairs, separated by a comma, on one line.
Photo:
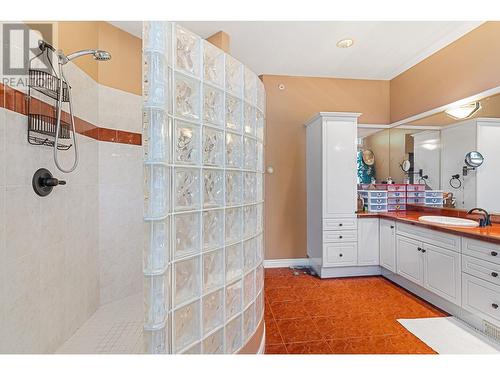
{"points": [[433, 237], [340, 254], [340, 224], [484, 270], [481, 249], [340, 236], [481, 297]]}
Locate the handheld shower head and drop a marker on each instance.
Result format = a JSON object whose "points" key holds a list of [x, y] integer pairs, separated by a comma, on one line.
{"points": [[99, 55]]}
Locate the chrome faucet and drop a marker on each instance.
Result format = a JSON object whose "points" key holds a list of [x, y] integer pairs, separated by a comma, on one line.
{"points": [[486, 220]]}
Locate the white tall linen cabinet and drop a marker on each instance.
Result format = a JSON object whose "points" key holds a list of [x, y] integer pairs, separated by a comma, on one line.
{"points": [[332, 224]]}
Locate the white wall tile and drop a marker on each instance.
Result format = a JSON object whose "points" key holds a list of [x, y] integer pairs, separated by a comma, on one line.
{"points": [[119, 109]]}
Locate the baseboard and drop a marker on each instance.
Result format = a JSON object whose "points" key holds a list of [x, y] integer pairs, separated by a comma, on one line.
{"points": [[278, 263], [327, 272]]}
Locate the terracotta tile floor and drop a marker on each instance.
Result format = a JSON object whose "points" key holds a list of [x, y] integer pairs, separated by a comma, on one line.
{"points": [[307, 315]]}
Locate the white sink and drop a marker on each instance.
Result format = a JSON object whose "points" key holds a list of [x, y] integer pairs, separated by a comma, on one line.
{"points": [[449, 221]]}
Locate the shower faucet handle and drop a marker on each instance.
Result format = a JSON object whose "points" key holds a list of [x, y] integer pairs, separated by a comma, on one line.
{"points": [[51, 181], [43, 182]]}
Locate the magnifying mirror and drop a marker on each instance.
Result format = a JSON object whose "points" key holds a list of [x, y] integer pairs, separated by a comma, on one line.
{"points": [[474, 159], [368, 157], [405, 165]]}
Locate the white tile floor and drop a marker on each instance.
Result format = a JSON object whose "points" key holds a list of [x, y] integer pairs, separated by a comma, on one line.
{"points": [[115, 328]]}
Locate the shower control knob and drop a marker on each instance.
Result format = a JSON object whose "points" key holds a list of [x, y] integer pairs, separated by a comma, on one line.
{"points": [[494, 305], [43, 182]]}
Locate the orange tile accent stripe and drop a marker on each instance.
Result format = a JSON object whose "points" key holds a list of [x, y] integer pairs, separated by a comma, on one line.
{"points": [[15, 101]]}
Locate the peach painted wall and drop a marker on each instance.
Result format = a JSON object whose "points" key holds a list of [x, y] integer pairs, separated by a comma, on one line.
{"points": [[287, 111], [464, 68]]}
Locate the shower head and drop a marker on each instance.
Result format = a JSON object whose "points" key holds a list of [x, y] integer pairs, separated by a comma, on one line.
{"points": [[99, 55]]}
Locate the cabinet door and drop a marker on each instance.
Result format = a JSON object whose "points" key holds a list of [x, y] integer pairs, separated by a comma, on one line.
{"points": [[339, 168], [442, 273], [368, 242], [388, 244], [409, 259]]}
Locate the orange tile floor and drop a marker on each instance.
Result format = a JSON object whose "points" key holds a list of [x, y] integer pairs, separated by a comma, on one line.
{"points": [[307, 315]]}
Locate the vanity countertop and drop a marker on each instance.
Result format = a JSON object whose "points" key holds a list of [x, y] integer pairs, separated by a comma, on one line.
{"points": [[490, 233]]}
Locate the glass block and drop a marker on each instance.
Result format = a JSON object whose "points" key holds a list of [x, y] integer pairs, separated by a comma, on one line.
{"points": [[187, 280], [213, 105], [234, 299], [259, 126], [187, 234], [260, 217], [233, 225], [213, 270], [213, 188], [156, 296], [156, 190], [249, 119], [187, 97], [260, 157], [187, 138], [249, 153], [260, 249], [213, 62], [156, 245], [234, 75], [259, 278], [259, 187], [193, 349], [249, 254], [187, 51], [156, 340], [187, 189], [214, 344], [259, 308], [186, 326], [155, 81], [154, 36], [249, 221], [250, 187], [234, 335], [213, 147], [213, 311], [234, 262], [155, 135], [234, 150], [248, 321], [234, 187], [261, 95], [233, 113], [248, 288], [250, 86], [213, 226]]}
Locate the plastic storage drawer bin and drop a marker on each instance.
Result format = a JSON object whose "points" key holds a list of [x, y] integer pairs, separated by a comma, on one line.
{"points": [[373, 193], [396, 200], [396, 207], [416, 194], [396, 187], [415, 187], [433, 201], [433, 194], [377, 208], [415, 200], [375, 201], [396, 194]]}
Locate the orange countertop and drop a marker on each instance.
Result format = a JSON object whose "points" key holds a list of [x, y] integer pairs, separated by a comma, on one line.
{"points": [[489, 234]]}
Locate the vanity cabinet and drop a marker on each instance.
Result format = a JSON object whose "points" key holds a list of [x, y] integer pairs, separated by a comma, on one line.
{"points": [[435, 268], [368, 242], [387, 244]]}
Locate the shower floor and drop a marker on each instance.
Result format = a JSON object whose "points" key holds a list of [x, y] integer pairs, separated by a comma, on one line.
{"points": [[115, 328]]}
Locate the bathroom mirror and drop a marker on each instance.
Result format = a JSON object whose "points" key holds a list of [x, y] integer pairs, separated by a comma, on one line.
{"points": [[474, 159], [368, 157], [445, 154], [373, 154]]}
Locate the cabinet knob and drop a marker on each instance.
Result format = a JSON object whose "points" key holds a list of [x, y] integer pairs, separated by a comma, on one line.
{"points": [[494, 253], [340, 255], [419, 249], [340, 224], [494, 305], [392, 226], [340, 236], [423, 250], [494, 274]]}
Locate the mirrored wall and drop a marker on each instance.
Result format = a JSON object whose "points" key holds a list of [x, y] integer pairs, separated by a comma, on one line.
{"points": [[455, 151]]}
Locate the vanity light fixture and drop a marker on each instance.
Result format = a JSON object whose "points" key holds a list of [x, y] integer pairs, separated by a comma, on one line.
{"points": [[464, 111], [345, 43]]}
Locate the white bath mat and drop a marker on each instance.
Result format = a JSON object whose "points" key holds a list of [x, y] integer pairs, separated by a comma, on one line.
{"points": [[450, 336]]}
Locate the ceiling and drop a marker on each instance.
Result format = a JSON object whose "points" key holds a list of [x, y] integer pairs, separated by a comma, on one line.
{"points": [[381, 50]]}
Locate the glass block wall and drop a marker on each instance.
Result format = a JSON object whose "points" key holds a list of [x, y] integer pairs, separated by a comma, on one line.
{"points": [[203, 133]]}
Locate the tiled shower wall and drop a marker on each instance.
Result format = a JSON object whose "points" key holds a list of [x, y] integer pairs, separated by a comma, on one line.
{"points": [[203, 133], [63, 255]]}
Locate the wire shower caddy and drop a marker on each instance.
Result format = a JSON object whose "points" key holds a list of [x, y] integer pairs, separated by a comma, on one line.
{"points": [[42, 124]]}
